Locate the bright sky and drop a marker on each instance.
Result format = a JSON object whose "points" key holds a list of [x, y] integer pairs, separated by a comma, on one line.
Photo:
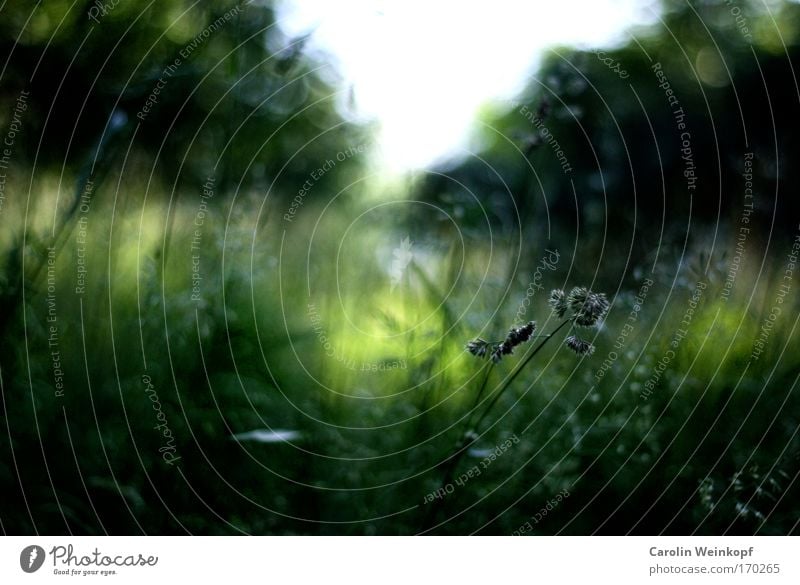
{"points": [[424, 68]]}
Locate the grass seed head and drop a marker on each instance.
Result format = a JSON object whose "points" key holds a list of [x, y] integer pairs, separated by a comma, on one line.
{"points": [[558, 302], [579, 346]]}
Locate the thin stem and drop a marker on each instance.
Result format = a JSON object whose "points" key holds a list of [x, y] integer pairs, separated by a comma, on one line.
{"points": [[463, 444], [480, 391], [517, 371], [449, 465], [448, 472], [483, 387]]}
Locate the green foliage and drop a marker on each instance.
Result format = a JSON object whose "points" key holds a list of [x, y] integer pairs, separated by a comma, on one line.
{"points": [[243, 361]]}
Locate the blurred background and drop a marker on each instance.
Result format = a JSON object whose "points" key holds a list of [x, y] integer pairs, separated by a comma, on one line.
{"points": [[244, 246]]}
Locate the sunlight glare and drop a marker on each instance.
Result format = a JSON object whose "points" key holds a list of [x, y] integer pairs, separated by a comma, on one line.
{"points": [[422, 69]]}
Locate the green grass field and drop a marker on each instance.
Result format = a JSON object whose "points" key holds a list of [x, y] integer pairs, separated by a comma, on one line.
{"points": [[341, 336]]}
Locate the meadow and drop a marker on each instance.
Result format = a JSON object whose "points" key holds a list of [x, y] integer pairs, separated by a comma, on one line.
{"points": [[221, 316], [311, 377]]}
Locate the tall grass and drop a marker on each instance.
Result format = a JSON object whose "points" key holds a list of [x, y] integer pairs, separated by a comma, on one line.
{"points": [[376, 386]]}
